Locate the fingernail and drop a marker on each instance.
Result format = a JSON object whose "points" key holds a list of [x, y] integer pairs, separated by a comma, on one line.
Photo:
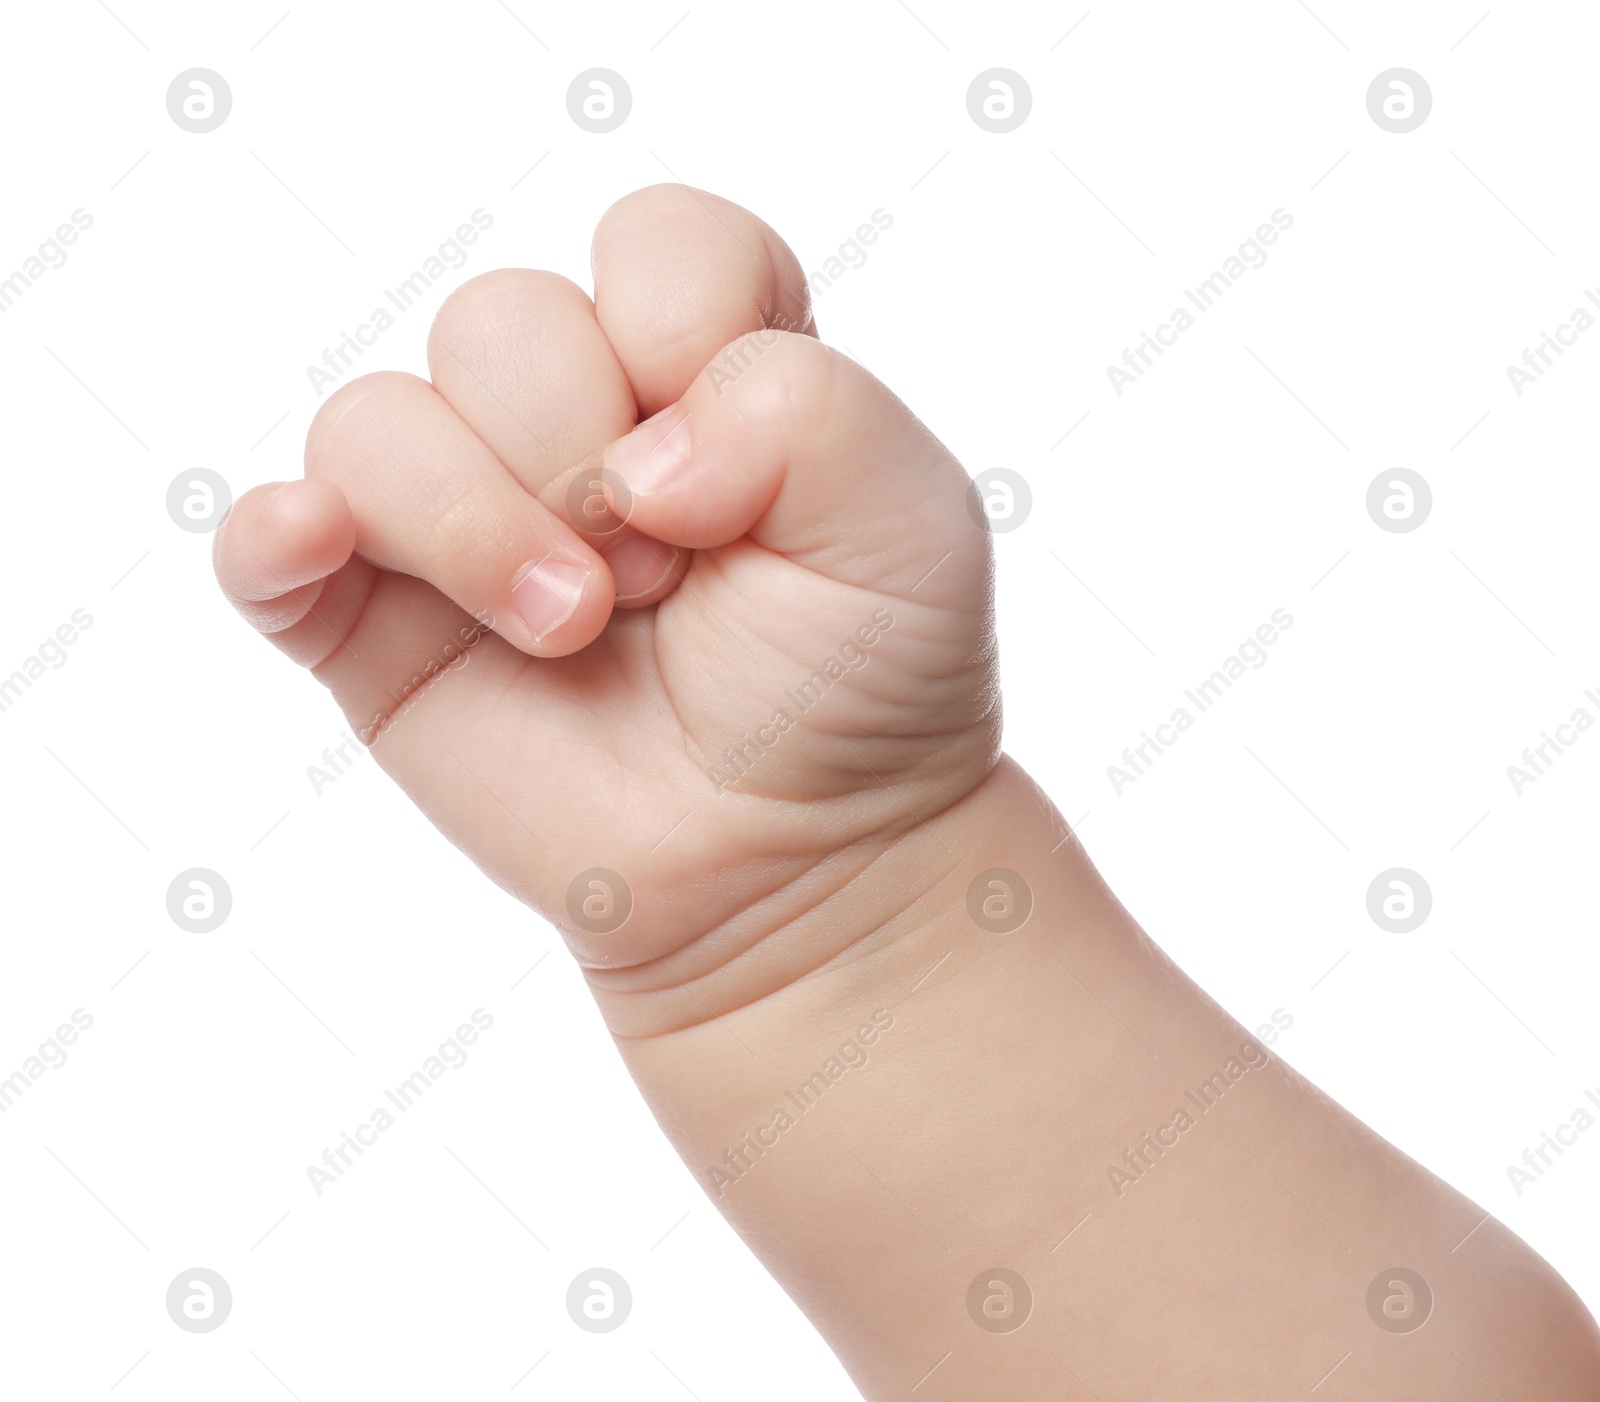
{"points": [[547, 593], [655, 453], [639, 565]]}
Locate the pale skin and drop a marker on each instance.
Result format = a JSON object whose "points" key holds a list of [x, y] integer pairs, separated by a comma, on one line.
{"points": [[797, 889]]}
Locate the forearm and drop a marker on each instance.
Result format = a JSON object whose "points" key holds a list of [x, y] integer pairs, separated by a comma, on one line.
{"points": [[1059, 1101]]}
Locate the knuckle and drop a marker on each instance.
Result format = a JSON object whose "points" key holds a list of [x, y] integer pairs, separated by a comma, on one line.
{"points": [[492, 300], [350, 415], [648, 207], [777, 380]]}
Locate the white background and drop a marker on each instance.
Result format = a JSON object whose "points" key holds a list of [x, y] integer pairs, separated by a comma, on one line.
{"points": [[1171, 522]]}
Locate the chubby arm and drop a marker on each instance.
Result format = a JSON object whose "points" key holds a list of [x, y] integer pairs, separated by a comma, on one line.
{"points": [[1001, 1146]]}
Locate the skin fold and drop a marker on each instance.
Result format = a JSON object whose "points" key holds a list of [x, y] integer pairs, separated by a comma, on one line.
{"points": [[681, 626]]}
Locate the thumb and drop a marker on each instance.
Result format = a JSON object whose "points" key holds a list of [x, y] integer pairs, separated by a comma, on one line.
{"points": [[794, 445]]}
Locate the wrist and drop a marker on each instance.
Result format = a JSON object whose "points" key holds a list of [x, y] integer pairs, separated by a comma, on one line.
{"points": [[949, 882]]}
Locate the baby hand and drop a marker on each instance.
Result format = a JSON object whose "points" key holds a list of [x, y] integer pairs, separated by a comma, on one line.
{"points": [[642, 675]]}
